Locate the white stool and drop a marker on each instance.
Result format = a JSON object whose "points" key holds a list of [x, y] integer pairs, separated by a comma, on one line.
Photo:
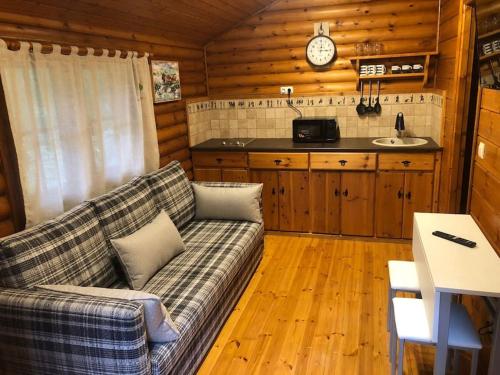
{"points": [[410, 324], [402, 278]]}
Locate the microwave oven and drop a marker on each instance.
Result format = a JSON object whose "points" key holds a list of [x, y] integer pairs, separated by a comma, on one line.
{"points": [[315, 129]]}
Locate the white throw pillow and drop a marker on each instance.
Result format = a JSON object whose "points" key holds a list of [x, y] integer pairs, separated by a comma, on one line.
{"points": [[159, 325], [228, 203], [149, 249]]}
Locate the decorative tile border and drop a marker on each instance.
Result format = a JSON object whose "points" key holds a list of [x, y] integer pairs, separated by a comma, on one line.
{"points": [[271, 117], [314, 101]]}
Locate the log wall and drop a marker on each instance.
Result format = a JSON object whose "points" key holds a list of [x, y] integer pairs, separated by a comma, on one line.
{"points": [[268, 49], [170, 117]]}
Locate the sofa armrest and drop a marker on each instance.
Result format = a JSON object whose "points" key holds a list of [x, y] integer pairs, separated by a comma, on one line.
{"points": [[48, 332]]}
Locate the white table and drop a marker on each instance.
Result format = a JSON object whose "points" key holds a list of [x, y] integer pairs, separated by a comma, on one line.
{"points": [[445, 268]]}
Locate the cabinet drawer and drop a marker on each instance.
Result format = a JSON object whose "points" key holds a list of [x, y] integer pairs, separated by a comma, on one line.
{"points": [[406, 162], [219, 159], [263, 160], [344, 161]]}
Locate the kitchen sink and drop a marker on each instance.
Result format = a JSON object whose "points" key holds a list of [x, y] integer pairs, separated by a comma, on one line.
{"points": [[399, 142]]}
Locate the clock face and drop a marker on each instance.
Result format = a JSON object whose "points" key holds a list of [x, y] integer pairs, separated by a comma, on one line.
{"points": [[321, 50]]}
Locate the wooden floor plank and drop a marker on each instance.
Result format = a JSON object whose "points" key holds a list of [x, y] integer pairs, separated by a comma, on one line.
{"points": [[316, 305]]}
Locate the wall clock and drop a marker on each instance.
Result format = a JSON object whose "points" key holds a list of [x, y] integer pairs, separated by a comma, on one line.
{"points": [[321, 50]]}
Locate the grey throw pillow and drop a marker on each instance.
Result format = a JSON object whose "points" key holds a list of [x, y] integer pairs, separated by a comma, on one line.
{"points": [[159, 325], [147, 250], [228, 203]]}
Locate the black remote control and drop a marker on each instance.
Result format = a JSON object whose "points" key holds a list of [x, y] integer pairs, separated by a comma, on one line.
{"points": [[451, 237]]}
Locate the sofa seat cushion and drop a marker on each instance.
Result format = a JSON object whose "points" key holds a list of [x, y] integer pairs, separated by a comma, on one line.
{"points": [[173, 193], [197, 280], [70, 249]]}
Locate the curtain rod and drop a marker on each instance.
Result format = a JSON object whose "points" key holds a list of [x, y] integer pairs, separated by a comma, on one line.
{"points": [[14, 44]]}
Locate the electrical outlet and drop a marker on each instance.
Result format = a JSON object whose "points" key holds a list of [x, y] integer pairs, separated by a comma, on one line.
{"points": [[284, 90]]}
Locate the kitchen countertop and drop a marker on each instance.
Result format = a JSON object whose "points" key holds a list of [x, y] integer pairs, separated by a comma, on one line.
{"points": [[287, 145]]}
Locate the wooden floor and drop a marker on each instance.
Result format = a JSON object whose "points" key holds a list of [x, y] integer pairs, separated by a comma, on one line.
{"points": [[315, 306]]}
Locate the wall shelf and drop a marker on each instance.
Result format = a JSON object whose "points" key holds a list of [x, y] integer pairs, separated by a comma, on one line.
{"points": [[422, 58], [489, 56], [489, 34]]}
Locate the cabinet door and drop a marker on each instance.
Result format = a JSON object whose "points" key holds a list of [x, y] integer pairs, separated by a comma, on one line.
{"points": [[418, 198], [325, 202], [270, 200], [207, 174], [294, 201], [235, 175], [357, 203], [389, 204]]}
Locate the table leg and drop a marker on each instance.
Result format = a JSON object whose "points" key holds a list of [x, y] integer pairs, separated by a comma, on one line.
{"points": [[443, 330], [494, 365]]}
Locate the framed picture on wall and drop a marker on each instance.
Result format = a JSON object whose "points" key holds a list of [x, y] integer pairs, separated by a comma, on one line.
{"points": [[166, 81]]}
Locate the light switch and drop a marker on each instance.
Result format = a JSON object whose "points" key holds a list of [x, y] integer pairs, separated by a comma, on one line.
{"points": [[481, 150]]}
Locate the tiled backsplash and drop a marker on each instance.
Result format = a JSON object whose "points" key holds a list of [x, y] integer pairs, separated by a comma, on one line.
{"points": [[271, 118]]}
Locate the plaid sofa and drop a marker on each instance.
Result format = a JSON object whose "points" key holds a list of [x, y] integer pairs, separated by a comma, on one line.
{"points": [[44, 332]]}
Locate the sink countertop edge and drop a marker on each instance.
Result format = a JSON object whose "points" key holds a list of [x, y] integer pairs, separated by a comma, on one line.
{"points": [[342, 145]]}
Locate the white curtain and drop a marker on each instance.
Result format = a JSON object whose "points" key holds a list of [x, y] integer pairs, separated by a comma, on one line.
{"points": [[81, 124]]}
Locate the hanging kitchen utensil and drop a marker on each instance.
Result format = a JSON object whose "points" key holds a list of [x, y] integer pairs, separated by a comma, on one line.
{"points": [[361, 107], [377, 108], [369, 109]]}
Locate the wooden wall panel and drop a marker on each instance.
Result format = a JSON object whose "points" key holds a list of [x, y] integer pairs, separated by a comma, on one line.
{"points": [[268, 50], [484, 205], [485, 200], [456, 50], [171, 119]]}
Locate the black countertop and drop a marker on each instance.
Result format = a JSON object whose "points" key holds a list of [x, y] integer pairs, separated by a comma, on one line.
{"points": [[287, 145]]}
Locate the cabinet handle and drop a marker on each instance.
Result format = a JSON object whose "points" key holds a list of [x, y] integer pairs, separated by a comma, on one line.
{"points": [[400, 194], [277, 161], [345, 193], [273, 192], [408, 195], [336, 192], [406, 163], [219, 160], [282, 190], [343, 162]]}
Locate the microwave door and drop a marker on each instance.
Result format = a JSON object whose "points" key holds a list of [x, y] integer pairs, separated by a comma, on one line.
{"points": [[309, 133]]}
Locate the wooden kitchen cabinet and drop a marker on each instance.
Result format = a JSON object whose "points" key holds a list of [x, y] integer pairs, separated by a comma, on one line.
{"points": [[294, 200], [220, 166], [270, 199], [418, 198], [357, 203], [399, 196], [234, 175], [285, 199], [348, 193], [208, 174], [325, 202], [389, 204]]}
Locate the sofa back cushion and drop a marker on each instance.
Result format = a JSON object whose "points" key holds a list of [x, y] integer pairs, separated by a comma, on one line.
{"points": [[70, 249], [125, 209], [173, 193]]}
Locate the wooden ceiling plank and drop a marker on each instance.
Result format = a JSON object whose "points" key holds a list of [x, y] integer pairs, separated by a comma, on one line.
{"points": [[41, 10]]}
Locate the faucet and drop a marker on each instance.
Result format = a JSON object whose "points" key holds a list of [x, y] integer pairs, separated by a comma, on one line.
{"points": [[400, 125]]}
